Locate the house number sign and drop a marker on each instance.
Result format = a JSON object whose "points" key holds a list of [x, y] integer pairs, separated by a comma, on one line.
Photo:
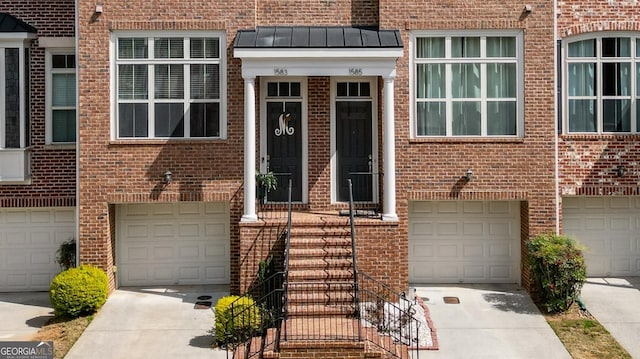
{"points": [[279, 71], [284, 128], [355, 71]]}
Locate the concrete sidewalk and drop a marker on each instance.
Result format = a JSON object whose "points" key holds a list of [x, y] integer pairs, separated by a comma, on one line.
{"points": [[615, 303], [152, 323], [491, 321], [23, 314]]}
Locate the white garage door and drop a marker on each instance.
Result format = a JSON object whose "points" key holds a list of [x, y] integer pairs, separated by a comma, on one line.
{"points": [[29, 239], [610, 229], [464, 242], [173, 243]]}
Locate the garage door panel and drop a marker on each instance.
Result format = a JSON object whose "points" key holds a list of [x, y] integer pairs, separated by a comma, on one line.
{"points": [[462, 246], [174, 249], [620, 203]]}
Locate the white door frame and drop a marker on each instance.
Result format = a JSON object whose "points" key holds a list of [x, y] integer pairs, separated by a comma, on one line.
{"points": [[373, 83]]}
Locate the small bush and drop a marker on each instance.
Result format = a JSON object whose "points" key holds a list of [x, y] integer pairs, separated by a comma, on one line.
{"points": [[78, 291], [558, 270], [237, 320]]}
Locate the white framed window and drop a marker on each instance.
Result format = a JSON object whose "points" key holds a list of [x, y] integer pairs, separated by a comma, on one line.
{"points": [[467, 84], [169, 85], [602, 90], [61, 106]]}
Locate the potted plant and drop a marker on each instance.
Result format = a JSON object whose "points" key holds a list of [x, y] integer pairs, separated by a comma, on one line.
{"points": [[265, 183]]}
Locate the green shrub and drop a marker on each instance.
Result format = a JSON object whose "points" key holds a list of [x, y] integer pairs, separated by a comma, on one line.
{"points": [[237, 319], [558, 270], [78, 291]]}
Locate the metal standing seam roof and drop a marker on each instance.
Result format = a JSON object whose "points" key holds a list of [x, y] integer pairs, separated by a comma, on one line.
{"points": [[317, 37], [9, 23]]}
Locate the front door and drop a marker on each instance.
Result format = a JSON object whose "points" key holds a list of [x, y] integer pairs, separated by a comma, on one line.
{"points": [[284, 137], [355, 155]]}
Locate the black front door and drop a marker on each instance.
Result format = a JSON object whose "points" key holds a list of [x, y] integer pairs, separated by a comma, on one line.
{"points": [[284, 148], [354, 150]]}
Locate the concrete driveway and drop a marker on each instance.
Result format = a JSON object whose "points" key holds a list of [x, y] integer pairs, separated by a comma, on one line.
{"points": [[152, 323], [23, 314], [491, 321], [615, 303]]}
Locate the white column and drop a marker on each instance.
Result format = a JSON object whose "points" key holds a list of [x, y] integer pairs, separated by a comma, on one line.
{"points": [[249, 214], [389, 153]]}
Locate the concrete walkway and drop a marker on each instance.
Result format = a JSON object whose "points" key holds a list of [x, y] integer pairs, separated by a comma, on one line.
{"points": [[23, 314], [615, 303], [152, 323], [491, 321]]}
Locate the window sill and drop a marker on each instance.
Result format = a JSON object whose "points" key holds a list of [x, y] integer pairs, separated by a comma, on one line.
{"points": [[600, 136], [466, 140], [173, 141], [61, 146]]}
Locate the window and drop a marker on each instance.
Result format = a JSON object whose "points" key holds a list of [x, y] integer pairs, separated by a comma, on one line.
{"points": [[466, 84], [61, 96], [602, 90], [169, 86]]}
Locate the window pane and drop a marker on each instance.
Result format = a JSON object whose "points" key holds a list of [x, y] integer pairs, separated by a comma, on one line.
{"points": [[616, 116], [585, 48], [64, 125], [12, 98], [63, 89], [205, 120], [465, 47], [205, 48], [466, 80], [582, 116], [169, 48], [205, 81], [501, 47], [353, 89], [272, 89], [501, 118], [132, 48], [283, 89], [365, 89], [501, 80], [430, 81], [430, 47], [582, 79], [169, 81], [616, 47], [466, 118], [431, 119], [295, 89], [342, 89], [169, 120], [63, 61], [637, 115], [132, 82], [133, 120], [616, 79]]}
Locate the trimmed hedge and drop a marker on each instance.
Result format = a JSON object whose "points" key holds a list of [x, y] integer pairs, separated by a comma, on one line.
{"points": [[78, 291], [237, 319], [558, 270]]}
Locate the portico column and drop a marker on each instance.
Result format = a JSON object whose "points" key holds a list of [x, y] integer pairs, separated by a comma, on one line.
{"points": [[389, 153], [249, 214]]}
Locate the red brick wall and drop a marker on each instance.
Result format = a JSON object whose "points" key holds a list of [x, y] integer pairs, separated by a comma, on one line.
{"points": [[521, 169], [53, 168], [588, 162], [316, 12]]}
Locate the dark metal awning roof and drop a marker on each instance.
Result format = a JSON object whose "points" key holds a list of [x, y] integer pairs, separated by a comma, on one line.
{"points": [[9, 23], [317, 37]]}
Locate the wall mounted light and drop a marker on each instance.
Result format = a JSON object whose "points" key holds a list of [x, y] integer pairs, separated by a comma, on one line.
{"points": [[468, 175], [168, 177], [98, 8], [620, 171]]}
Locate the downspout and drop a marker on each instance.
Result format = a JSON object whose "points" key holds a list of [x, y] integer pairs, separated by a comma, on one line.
{"points": [[557, 114], [77, 210]]}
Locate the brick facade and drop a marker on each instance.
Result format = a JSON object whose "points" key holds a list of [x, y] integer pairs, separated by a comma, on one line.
{"points": [[588, 163], [53, 167]]}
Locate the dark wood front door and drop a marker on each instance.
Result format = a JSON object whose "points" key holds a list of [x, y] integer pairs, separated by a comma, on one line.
{"points": [[354, 150], [284, 148]]}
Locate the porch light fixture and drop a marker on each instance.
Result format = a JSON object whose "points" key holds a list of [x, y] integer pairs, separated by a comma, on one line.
{"points": [[468, 175], [620, 171], [168, 177]]}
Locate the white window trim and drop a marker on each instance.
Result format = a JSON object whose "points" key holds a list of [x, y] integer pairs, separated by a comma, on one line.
{"points": [[48, 92], [518, 34], [634, 96], [182, 34]]}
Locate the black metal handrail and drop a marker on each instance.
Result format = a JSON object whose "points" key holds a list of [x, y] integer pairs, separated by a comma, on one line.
{"points": [[285, 307], [354, 261]]}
